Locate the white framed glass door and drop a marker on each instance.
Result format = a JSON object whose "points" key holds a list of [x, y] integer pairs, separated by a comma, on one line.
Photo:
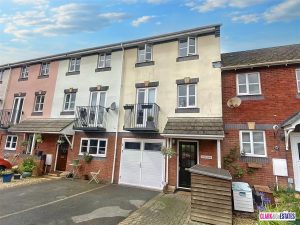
{"points": [[295, 147], [97, 104], [145, 97], [17, 110]]}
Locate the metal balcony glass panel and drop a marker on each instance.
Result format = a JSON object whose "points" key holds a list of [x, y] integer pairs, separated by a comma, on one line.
{"points": [[90, 118], [141, 117]]}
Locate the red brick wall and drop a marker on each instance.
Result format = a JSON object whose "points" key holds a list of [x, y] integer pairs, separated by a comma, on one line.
{"points": [[279, 89], [105, 163]]}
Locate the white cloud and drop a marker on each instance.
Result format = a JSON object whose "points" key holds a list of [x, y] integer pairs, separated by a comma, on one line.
{"points": [[285, 11], [156, 1], [64, 19], [210, 5], [140, 20], [247, 18]]}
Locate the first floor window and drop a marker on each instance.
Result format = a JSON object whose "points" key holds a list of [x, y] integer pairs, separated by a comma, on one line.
{"points": [[93, 146], [104, 60], [69, 102], [45, 69], [74, 65], [11, 142], [39, 103], [253, 143], [248, 84], [187, 95]]}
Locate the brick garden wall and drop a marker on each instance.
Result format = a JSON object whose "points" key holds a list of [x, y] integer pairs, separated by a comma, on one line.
{"points": [[279, 101]]}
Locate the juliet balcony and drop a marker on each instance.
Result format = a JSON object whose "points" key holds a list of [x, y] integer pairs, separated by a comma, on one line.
{"points": [[142, 117], [90, 118], [5, 118]]}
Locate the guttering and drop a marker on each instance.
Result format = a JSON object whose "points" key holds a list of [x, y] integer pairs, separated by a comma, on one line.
{"points": [[274, 63], [118, 46], [118, 117], [188, 136]]}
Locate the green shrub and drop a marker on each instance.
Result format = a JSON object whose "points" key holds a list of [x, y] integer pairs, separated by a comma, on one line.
{"points": [[28, 164]]}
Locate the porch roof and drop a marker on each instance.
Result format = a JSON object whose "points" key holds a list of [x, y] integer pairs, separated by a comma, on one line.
{"points": [[194, 127], [50, 126], [291, 120]]}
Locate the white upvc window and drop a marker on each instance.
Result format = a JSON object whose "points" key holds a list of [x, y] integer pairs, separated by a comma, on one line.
{"points": [[1, 75], [104, 60], [93, 146], [74, 64], [248, 84], [187, 46], [145, 53], [39, 103], [45, 69], [11, 142], [253, 143], [297, 77], [69, 102], [24, 72], [187, 96]]}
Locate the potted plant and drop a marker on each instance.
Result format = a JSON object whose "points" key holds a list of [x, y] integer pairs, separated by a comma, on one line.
{"points": [[17, 172], [150, 122], [87, 158], [7, 176], [168, 152], [28, 166], [38, 138]]}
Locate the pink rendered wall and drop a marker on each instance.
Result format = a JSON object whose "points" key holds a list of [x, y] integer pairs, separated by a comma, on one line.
{"points": [[30, 86]]}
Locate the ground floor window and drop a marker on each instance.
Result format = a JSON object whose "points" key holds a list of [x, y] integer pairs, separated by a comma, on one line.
{"points": [[253, 143], [11, 142], [93, 146]]}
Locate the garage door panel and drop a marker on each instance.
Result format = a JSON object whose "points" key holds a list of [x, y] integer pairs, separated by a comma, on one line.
{"points": [[130, 167]]}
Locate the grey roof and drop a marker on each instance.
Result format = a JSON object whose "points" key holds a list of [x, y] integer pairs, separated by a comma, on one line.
{"points": [[264, 56], [41, 125], [194, 126], [292, 119], [211, 172], [204, 30]]}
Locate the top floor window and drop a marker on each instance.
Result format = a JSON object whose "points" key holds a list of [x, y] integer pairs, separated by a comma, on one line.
{"points": [[187, 96], [248, 84], [1, 75], [104, 60], [45, 69], [297, 77], [24, 72], [187, 46], [74, 65], [145, 53]]}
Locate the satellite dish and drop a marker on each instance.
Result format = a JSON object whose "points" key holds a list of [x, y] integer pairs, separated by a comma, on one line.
{"points": [[234, 102], [113, 106]]}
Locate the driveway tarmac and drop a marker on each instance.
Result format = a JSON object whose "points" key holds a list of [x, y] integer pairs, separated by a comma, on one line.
{"points": [[64, 202]]}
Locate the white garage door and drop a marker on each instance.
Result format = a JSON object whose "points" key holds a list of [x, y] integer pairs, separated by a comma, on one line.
{"points": [[142, 163]]}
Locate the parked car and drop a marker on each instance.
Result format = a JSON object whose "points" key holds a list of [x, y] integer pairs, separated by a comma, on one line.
{"points": [[4, 164]]}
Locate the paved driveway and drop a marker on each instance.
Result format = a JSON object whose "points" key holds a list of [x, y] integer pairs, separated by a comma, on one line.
{"points": [[70, 202]]}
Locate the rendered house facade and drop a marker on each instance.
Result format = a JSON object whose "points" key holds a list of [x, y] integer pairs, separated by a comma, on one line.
{"points": [[267, 82]]}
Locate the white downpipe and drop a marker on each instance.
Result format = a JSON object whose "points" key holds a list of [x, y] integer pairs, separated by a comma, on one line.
{"points": [[56, 155], [118, 118], [219, 153]]}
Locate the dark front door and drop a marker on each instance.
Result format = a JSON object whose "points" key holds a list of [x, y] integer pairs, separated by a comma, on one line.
{"points": [[62, 156], [187, 159]]}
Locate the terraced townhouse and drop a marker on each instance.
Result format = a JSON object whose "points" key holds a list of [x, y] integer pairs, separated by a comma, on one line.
{"points": [[123, 103]]}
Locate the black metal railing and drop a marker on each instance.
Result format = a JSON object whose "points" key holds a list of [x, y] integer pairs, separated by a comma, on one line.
{"points": [[90, 117], [5, 116], [142, 116]]}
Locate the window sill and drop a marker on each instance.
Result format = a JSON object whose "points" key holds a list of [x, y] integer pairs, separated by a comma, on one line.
{"points": [[187, 58], [95, 157], [36, 113], [254, 159], [251, 97], [6, 149], [103, 69], [147, 63], [72, 73], [43, 76], [67, 113], [23, 79], [187, 110]]}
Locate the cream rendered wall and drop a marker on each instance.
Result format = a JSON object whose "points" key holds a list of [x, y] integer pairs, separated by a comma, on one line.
{"points": [[166, 70], [86, 79], [3, 87]]}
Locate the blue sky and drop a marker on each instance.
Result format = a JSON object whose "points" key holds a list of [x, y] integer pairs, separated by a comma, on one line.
{"points": [[34, 28]]}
